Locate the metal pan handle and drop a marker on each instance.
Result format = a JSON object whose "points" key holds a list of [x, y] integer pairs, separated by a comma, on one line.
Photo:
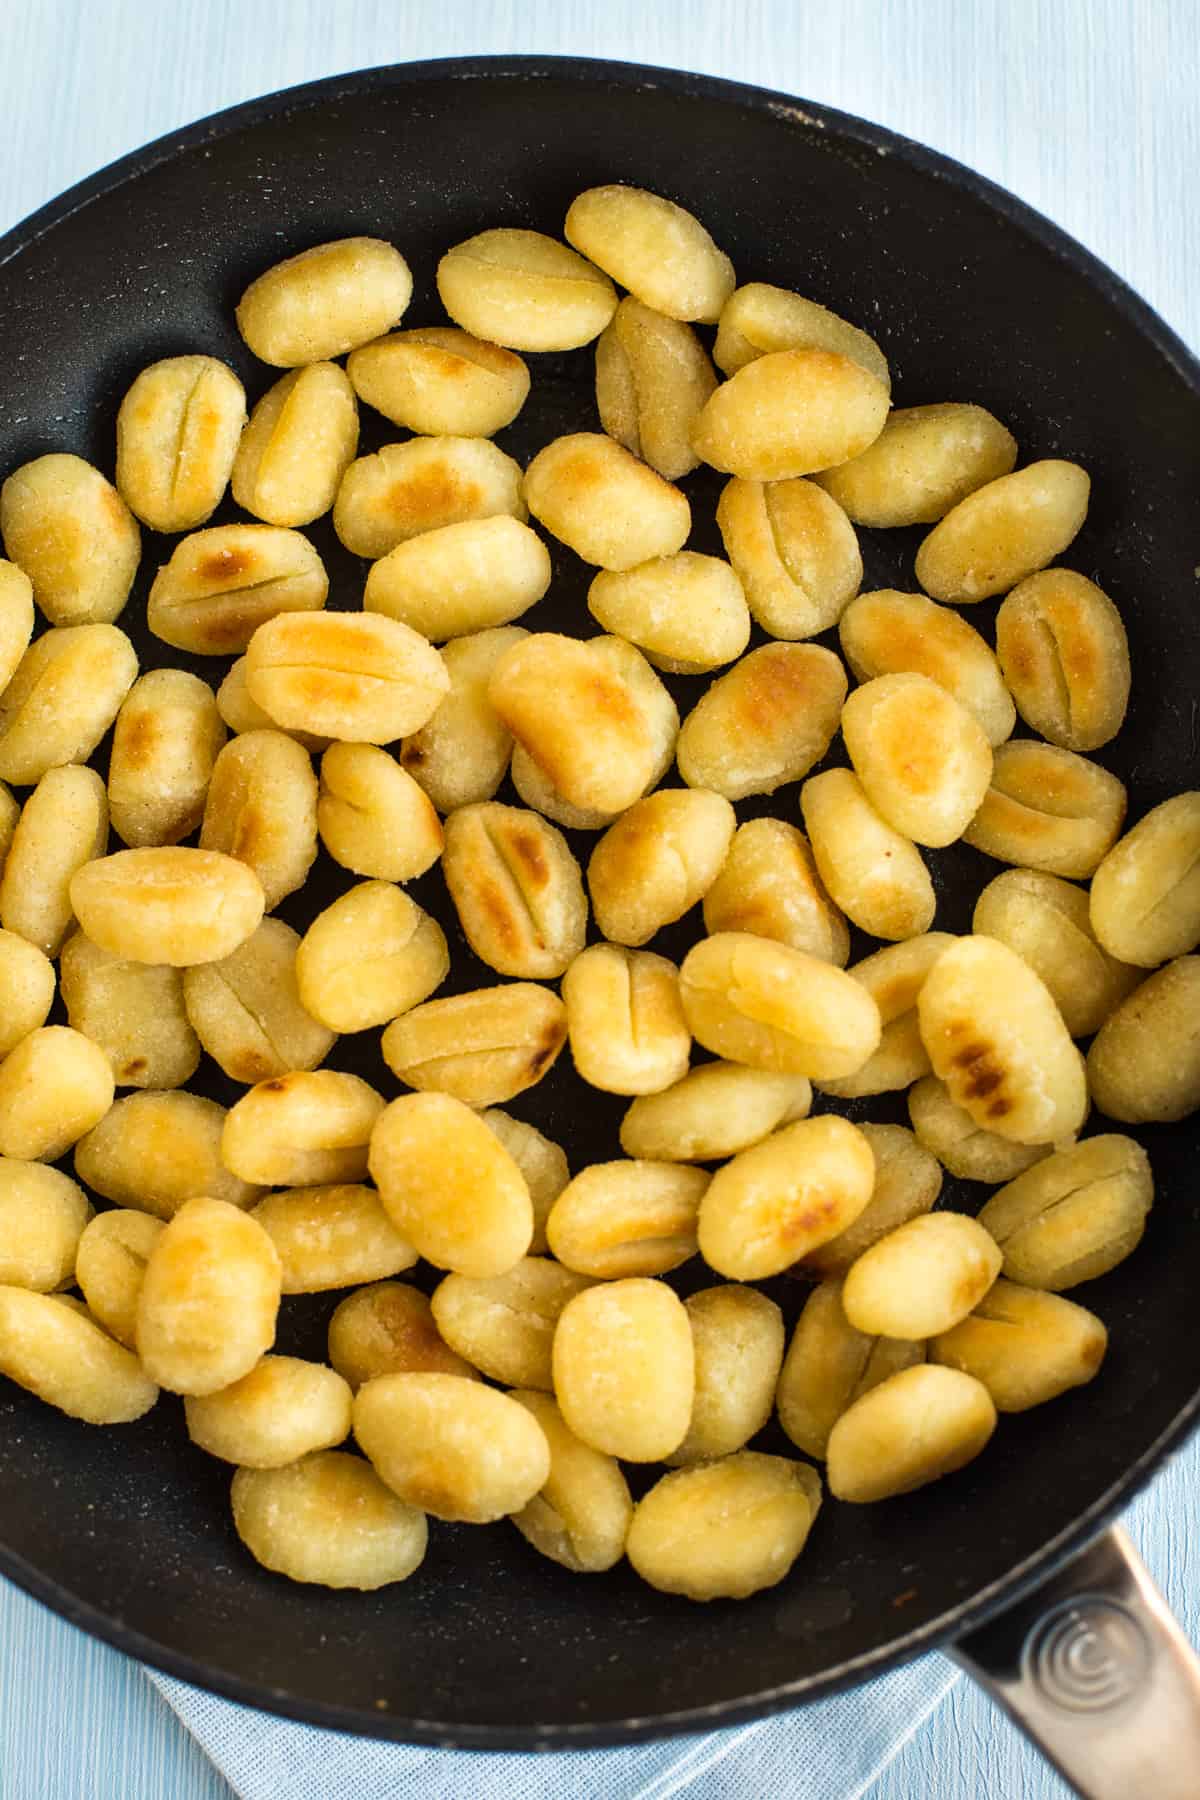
{"points": [[1094, 1668]]}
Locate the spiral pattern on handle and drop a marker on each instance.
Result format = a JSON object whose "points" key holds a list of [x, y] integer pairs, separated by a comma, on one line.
{"points": [[1088, 1655]]}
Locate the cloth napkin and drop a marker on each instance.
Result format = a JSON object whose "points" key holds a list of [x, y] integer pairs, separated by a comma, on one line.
{"points": [[832, 1750]]}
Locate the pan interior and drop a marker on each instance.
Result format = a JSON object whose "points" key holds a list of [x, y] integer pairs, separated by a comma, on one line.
{"points": [[129, 1529]]}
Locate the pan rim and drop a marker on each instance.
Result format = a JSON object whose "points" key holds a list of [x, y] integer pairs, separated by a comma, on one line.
{"points": [[1034, 1569]]}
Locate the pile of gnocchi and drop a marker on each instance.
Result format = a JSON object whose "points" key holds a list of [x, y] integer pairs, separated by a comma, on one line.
{"points": [[552, 1350]]}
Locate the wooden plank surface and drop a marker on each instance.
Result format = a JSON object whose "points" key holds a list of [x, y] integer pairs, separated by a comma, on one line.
{"points": [[1086, 108]]}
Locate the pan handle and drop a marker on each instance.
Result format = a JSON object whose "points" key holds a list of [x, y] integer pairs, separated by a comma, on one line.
{"points": [[1094, 1668]]}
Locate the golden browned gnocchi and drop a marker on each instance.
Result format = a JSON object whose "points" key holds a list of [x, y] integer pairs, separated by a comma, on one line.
{"points": [[580, 1516], [42, 1218], [922, 1278], [370, 956], [908, 1180], [165, 743], [440, 381], [110, 1266], [652, 377], [70, 532], [829, 1365], [1025, 1346], [221, 584], [357, 676], [26, 988], [686, 612], [524, 290], [282, 1410], [16, 619], [1075, 1215], [594, 719], [241, 713], [1145, 900], [997, 1040], [63, 824], [461, 754], [763, 723], [657, 861], [765, 1004], [461, 579], [611, 509], [388, 1329], [482, 1047], [331, 1237], [876, 876], [169, 905], [890, 633], [154, 1151], [1003, 532], [737, 1338], [1048, 923], [536, 789], [619, 1219], [917, 1426], [261, 809], [1048, 809], [963, 1147], [449, 1186], [923, 760], [503, 1325], [656, 249], [177, 435], [66, 692], [329, 299], [789, 413], [298, 443], [422, 485], [542, 1162], [794, 551], [1063, 649], [759, 318], [328, 1520], [713, 1112], [135, 1011], [779, 1200], [246, 1008], [59, 1353], [894, 977], [55, 1085], [625, 1020], [303, 1129], [624, 1368], [456, 1448], [1144, 1063], [924, 461], [372, 817], [769, 886], [209, 1299], [516, 888], [725, 1529]]}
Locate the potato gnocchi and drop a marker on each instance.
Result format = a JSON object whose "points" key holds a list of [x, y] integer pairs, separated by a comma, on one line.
{"points": [[702, 957]]}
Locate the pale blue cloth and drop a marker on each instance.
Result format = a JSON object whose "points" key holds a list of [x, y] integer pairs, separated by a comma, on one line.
{"points": [[832, 1750]]}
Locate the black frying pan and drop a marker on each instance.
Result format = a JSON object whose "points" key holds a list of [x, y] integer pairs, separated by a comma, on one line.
{"points": [[127, 1532]]}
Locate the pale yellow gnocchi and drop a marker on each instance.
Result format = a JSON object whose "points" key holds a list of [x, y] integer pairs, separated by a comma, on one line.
{"points": [[652, 377], [794, 551], [440, 381], [324, 301]]}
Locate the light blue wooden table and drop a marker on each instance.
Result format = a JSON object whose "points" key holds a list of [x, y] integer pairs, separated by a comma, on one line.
{"points": [[1086, 108]]}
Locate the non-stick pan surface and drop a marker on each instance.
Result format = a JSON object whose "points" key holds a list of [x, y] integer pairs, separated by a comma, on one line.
{"points": [[127, 1531]]}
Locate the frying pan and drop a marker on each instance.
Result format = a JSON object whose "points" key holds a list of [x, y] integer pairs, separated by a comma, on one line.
{"points": [[126, 1532]]}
